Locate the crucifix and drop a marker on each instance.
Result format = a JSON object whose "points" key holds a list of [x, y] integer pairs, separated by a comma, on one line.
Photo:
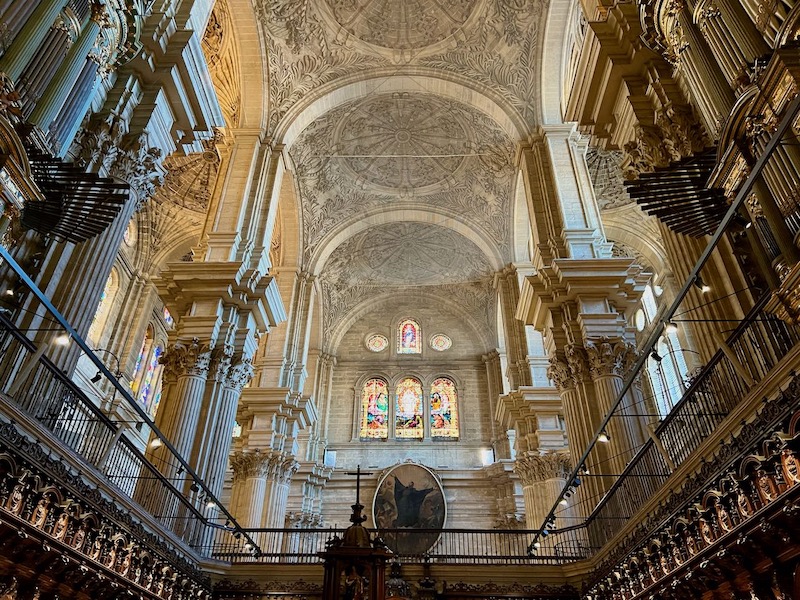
{"points": [[358, 473]]}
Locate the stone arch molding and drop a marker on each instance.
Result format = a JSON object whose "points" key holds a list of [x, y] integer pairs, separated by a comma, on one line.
{"points": [[331, 96], [362, 223]]}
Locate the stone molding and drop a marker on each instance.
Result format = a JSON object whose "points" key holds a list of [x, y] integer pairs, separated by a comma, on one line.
{"points": [[534, 468], [274, 466]]}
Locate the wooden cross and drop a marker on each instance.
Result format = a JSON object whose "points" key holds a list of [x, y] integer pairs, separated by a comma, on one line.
{"points": [[358, 473]]}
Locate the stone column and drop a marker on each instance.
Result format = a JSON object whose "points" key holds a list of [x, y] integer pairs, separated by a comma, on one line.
{"points": [[610, 360], [543, 477], [186, 368], [261, 487], [213, 447]]}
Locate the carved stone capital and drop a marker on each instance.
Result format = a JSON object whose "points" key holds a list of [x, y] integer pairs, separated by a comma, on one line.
{"points": [[274, 466], [239, 375], [187, 359], [533, 468], [608, 356], [558, 372], [221, 361], [139, 165]]}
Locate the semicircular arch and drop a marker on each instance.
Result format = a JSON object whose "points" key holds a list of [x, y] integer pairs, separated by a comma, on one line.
{"points": [[429, 81], [360, 223], [384, 299]]}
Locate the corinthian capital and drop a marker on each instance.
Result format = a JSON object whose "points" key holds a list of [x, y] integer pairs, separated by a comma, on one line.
{"points": [[558, 372], [193, 358], [532, 468], [239, 375], [610, 357], [274, 466]]}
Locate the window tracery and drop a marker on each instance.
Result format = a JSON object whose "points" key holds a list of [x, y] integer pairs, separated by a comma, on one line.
{"points": [[377, 343], [440, 342]]}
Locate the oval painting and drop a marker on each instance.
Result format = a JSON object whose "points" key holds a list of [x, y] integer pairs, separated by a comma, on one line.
{"points": [[409, 496]]}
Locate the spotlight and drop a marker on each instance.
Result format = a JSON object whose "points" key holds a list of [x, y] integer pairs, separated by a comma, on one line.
{"points": [[656, 356], [156, 443], [537, 544], [9, 292], [96, 378], [701, 285], [671, 327], [742, 221], [584, 470], [578, 481], [211, 504], [545, 533], [194, 487], [62, 340], [563, 502], [603, 437]]}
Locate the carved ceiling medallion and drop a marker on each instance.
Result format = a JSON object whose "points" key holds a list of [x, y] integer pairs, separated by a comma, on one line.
{"points": [[402, 142], [406, 254], [401, 25]]}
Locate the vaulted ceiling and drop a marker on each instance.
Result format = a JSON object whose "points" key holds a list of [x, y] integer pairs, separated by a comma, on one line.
{"points": [[401, 119]]}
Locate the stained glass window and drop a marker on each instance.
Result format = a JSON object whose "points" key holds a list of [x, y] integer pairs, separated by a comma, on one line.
{"points": [[377, 342], [375, 410], [408, 409], [441, 342], [103, 308], [168, 320], [136, 379], [149, 381], [408, 338], [444, 409]]}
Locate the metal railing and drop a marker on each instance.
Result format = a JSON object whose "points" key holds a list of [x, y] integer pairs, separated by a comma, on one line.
{"points": [[436, 546], [179, 501], [759, 343]]}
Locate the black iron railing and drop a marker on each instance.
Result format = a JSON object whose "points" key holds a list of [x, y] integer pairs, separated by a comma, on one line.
{"points": [[759, 343], [447, 546]]}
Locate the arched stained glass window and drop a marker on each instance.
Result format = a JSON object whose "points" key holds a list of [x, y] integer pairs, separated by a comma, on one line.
{"points": [[408, 337], [408, 410], [103, 309], [141, 359], [444, 409], [150, 380], [375, 410]]}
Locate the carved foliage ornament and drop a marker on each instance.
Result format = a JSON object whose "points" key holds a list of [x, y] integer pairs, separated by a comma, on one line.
{"points": [[533, 468], [192, 358], [273, 466], [610, 357]]}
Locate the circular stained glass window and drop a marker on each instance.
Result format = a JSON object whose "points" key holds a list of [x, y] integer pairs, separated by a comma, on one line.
{"points": [[440, 342], [377, 342]]}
